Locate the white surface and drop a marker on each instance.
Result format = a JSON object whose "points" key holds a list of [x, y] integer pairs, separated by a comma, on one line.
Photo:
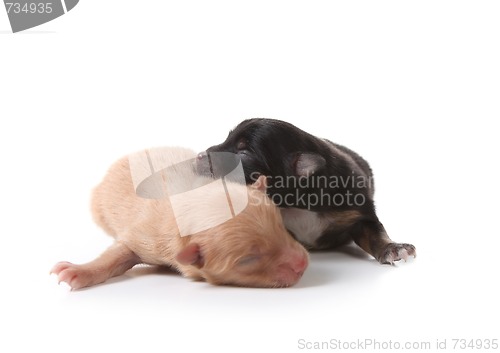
{"points": [[413, 87]]}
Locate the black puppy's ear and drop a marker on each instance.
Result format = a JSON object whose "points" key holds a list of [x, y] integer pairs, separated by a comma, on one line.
{"points": [[306, 164]]}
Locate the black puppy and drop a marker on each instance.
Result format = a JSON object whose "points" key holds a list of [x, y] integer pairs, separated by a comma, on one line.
{"points": [[324, 190]]}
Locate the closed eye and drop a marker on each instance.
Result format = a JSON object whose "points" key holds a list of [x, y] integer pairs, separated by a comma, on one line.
{"points": [[242, 145], [248, 260]]}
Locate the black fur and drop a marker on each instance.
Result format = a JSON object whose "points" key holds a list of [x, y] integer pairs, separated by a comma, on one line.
{"points": [[307, 172]]}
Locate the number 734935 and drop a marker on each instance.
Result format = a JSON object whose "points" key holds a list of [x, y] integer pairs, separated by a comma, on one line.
{"points": [[33, 7]]}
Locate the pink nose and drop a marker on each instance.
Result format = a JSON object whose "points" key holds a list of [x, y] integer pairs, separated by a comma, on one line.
{"points": [[293, 266], [299, 264], [202, 155]]}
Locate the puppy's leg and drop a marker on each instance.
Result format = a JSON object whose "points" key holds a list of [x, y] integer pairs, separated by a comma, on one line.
{"points": [[113, 262], [372, 238]]}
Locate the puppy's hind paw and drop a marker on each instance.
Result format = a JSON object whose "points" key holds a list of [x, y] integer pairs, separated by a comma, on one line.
{"points": [[396, 252]]}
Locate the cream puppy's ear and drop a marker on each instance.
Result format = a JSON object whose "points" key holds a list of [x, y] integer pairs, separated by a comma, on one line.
{"points": [[260, 184], [191, 255]]}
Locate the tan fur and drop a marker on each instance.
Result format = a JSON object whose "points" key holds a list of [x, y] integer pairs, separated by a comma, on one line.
{"points": [[344, 219], [252, 249]]}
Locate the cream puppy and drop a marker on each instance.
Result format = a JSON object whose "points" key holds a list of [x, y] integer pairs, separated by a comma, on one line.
{"points": [[187, 227]]}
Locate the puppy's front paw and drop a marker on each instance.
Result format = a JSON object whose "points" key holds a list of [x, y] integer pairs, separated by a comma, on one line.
{"points": [[75, 275], [395, 252]]}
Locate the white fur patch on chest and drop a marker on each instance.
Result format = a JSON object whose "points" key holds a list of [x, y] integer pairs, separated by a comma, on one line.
{"points": [[306, 225]]}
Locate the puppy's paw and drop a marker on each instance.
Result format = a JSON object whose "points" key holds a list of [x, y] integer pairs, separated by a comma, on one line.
{"points": [[396, 252], [76, 276]]}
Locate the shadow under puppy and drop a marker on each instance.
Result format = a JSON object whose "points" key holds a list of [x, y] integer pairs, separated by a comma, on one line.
{"points": [[325, 190], [150, 210]]}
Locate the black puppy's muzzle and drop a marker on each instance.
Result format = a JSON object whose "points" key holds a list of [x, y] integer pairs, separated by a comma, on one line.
{"points": [[203, 165], [217, 164]]}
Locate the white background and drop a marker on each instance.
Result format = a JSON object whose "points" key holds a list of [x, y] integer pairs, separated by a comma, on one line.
{"points": [[414, 87]]}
